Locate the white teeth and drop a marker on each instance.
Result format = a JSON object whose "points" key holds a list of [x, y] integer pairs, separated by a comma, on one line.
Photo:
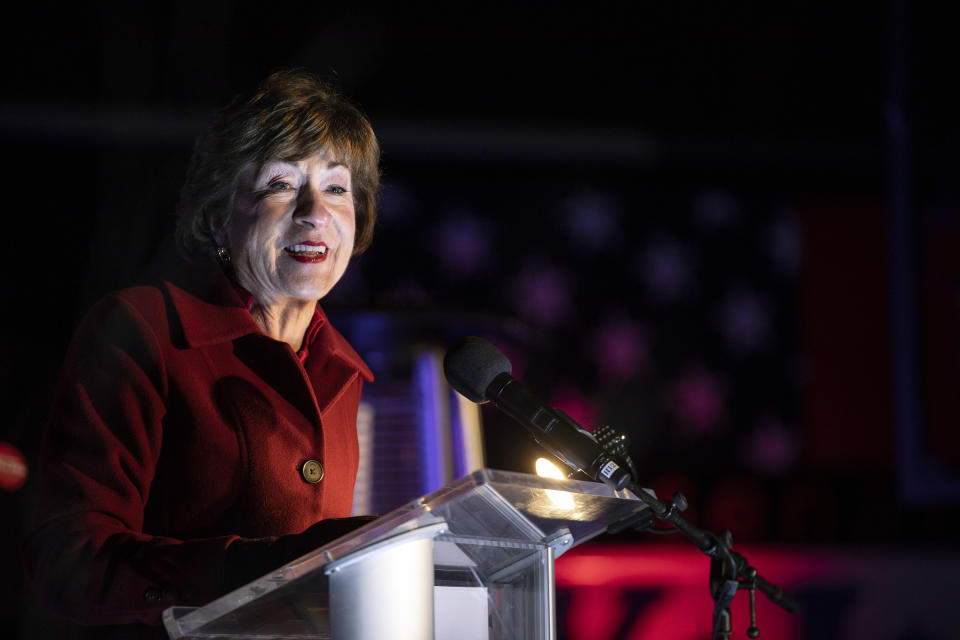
{"points": [[306, 248]]}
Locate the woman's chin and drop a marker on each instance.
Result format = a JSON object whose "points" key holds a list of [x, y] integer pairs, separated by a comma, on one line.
{"points": [[306, 284], [308, 292]]}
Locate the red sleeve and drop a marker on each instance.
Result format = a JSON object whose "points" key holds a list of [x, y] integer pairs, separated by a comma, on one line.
{"points": [[87, 554]]}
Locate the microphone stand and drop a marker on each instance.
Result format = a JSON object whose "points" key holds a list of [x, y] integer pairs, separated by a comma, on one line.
{"points": [[729, 570]]}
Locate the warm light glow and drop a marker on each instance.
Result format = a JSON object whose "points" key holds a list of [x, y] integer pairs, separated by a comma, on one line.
{"points": [[546, 469]]}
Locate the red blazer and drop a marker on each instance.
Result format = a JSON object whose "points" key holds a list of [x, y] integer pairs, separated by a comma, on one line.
{"points": [[178, 427]]}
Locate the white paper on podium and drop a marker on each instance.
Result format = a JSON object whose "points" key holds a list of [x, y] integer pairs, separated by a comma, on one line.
{"points": [[460, 613]]}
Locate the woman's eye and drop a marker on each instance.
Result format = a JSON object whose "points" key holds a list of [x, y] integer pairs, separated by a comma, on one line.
{"points": [[280, 185], [336, 189]]}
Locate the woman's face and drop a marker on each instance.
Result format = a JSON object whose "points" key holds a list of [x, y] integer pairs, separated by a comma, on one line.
{"points": [[291, 233]]}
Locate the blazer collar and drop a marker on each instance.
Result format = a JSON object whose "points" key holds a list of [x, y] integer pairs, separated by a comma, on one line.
{"points": [[211, 312], [209, 308], [336, 346]]}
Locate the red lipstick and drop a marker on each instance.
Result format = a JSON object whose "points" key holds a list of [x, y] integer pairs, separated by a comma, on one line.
{"points": [[307, 251]]}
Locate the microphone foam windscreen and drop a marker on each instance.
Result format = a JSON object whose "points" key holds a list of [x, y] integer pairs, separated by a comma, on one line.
{"points": [[471, 366]]}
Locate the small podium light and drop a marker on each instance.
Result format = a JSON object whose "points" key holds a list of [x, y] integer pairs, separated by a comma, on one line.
{"points": [[560, 499], [546, 469]]}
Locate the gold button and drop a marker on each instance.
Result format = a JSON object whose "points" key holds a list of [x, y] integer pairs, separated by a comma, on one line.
{"points": [[312, 471]]}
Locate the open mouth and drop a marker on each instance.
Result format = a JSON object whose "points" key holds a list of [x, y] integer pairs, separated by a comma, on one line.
{"points": [[307, 252]]}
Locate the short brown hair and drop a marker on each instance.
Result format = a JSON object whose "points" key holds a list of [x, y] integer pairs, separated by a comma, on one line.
{"points": [[290, 116]]}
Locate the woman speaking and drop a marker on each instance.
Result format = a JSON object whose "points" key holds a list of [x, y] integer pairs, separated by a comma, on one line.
{"points": [[203, 430]]}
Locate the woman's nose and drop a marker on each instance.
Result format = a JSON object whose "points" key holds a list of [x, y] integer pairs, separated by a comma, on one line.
{"points": [[311, 208]]}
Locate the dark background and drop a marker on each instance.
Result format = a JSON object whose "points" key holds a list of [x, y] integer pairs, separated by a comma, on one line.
{"points": [[729, 230]]}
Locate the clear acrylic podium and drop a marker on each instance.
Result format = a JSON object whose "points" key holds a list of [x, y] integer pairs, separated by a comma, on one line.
{"points": [[473, 560]]}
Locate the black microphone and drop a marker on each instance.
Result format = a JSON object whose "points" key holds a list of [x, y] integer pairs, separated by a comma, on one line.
{"points": [[480, 372]]}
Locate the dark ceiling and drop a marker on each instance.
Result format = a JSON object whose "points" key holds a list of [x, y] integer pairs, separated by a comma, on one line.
{"points": [[793, 87], [797, 71]]}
